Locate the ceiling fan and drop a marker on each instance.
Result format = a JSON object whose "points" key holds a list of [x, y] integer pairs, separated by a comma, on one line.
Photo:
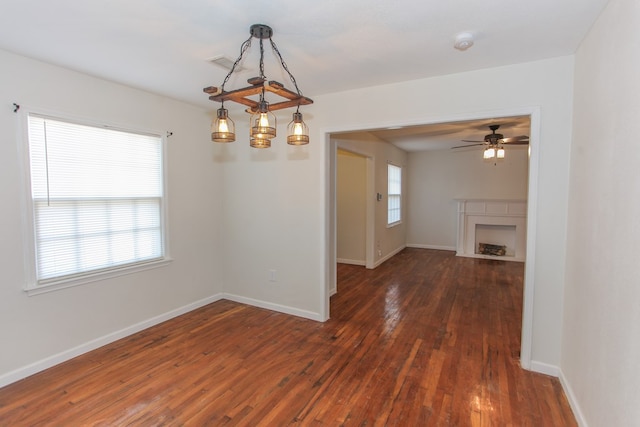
{"points": [[493, 139], [494, 143]]}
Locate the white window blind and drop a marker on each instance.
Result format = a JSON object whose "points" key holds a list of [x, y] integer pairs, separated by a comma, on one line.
{"points": [[97, 197], [394, 194]]}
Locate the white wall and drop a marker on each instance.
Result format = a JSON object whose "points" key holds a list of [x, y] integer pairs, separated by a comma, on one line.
{"points": [[601, 333], [39, 330], [351, 214], [544, 86], [437, 178], [274, 210], [272, 221]]}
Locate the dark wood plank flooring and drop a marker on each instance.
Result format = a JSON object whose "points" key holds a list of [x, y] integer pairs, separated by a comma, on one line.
{"points": [[425, 339]]}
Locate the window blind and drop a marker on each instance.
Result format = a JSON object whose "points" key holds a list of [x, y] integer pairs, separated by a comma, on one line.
{"points": [[97, 197]]}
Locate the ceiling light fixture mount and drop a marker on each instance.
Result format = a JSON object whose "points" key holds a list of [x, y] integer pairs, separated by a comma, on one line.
{"points": [[263, 122]]}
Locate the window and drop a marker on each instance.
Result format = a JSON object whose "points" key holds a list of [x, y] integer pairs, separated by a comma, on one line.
{"points": [[97, 199], [394, 197]]}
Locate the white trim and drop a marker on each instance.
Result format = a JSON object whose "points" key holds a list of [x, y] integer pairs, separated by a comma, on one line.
{"points": [[63, 356], [351, 261], [399, 195], [31, 286], [436, 247], [494, 257], [370, 230], [330, 239], [544, 368], [532, 200], [41, 365], [526, 341], [97, 276], [573, 401], [274, 307], [389, 255]]}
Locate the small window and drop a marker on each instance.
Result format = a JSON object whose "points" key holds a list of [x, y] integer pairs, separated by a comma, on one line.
{"points": [[97, 197], [394, 197]]}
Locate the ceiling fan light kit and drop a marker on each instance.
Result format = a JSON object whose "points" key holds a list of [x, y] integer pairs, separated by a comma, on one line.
{"points": [[494, 144], [263, 121], [493, 153]]}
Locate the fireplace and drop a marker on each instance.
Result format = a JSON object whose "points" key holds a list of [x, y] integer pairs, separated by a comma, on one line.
{"points": [[494, 229]]}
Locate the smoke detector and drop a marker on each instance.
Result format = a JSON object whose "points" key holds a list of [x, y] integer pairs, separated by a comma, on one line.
{"points": [[463, 41]]}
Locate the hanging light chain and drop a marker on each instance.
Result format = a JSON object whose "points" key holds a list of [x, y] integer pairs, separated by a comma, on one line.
{"points": [[284, 65], [262, 76], [243, 48]]}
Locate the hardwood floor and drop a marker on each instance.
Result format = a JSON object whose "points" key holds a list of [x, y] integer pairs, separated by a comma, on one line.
{"points": [[425, 339]]}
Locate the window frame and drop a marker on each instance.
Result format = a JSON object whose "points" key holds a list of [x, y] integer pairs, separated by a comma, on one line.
{"points": [[399, 195], [31, 285]]}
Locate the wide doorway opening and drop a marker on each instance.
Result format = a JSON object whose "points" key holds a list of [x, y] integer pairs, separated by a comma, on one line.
{"points": [[461, 140]]}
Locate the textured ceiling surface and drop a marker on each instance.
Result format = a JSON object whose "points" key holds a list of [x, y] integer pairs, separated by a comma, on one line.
{"points": [[164, 46], [444, 136]]}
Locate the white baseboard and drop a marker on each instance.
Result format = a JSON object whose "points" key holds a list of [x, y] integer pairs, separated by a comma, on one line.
{"points": [[351, 261], [554, 371], [388, 256], [545, 368], [436, 247], [41, 365], [274, 307], [56, 359], [573, 402]]}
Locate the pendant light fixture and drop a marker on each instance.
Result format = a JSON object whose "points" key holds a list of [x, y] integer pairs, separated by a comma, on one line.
{"points": [[297, 131], [223, 129], [263, 121]]}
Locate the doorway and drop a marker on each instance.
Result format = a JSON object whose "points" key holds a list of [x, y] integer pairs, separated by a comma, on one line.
{"points": [[533, 116], [351, 208]]}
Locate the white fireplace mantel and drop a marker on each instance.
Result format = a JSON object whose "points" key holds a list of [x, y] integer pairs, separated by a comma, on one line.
{"points": [[510, 214]]}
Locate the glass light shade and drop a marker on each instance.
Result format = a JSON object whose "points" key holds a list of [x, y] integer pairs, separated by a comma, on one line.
{"points": [[223, 129], [489, 153], [259, 142], [263, 123], [500, 153], [297, 131]]}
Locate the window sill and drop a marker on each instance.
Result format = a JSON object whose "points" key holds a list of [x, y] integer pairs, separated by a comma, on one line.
{"points": [[69, 282], [394, 224]]}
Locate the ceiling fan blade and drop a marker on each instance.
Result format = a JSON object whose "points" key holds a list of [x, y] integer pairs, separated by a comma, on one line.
{"points": [[465, 146], [470, 140], [516, 142], [515, 138]]}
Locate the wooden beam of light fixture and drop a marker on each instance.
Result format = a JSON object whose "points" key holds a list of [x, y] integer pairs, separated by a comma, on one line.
{"points": [[262, 127], [257, 84]]}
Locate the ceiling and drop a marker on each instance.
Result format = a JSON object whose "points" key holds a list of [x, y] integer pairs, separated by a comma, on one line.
{"points": [[451, 135], [164, 46]]}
